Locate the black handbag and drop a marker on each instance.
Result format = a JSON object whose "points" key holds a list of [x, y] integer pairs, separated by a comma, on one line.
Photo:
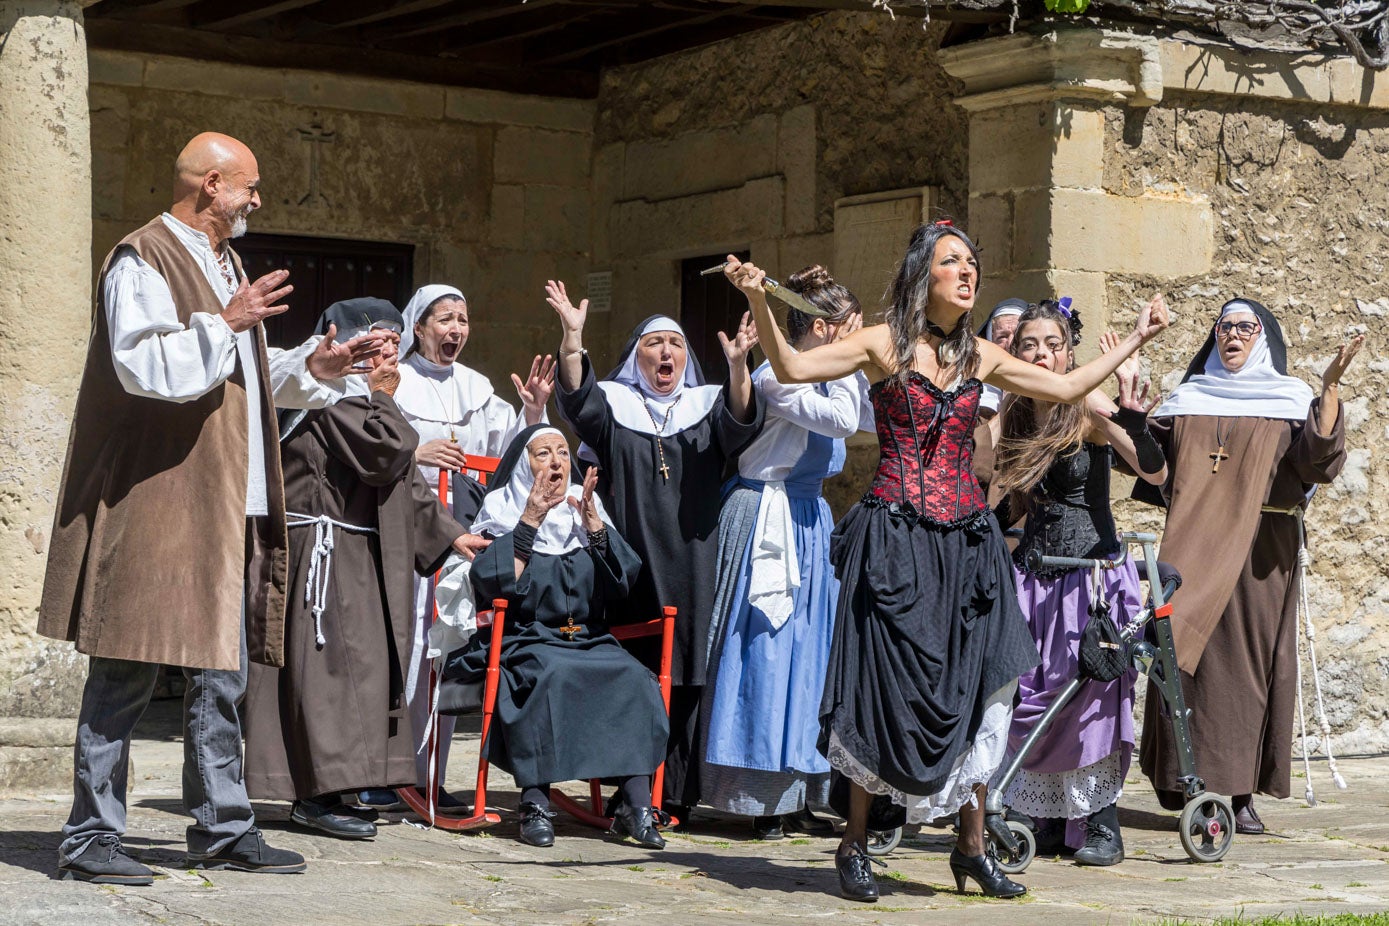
{"points": [[1104, 655]]}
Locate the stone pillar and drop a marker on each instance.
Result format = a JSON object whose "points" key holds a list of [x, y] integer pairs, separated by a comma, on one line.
{"points": [[1037, 201], [45, 311]]}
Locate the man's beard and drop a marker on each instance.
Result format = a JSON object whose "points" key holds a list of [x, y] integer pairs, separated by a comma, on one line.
{"points": [[238, 225]]}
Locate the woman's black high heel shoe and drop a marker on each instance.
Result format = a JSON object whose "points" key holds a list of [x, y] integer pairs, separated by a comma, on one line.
{"points": [[983, 869]]}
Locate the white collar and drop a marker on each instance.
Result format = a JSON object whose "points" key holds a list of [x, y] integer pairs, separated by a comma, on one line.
{"points": [[1257, 390], [441, 392]]}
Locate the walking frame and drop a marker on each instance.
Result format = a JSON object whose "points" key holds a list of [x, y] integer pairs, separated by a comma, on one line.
{"points": [[494, 622], [1207, 822]]}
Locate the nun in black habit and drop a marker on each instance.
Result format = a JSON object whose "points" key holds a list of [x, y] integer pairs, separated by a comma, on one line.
{"points": [[663, 439], [571, 702]]}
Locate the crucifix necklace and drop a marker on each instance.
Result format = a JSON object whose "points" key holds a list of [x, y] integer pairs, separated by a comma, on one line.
{"points": [[1220, 439], [447, 408], [663, 469]]}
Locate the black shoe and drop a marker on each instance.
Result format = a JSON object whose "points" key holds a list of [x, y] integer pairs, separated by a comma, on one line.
{"points": [[382, 799], [680, 812], [1104, 845], [536, 828], [983, 869], [807, 824], [250, 853], [449, 803], [333, 819], [638, 823], [856, 880], [1247, 820], [767, 828], [105, 861]]}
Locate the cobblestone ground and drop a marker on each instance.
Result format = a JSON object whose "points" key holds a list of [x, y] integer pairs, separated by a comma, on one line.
{"points": [[1331, 858]]}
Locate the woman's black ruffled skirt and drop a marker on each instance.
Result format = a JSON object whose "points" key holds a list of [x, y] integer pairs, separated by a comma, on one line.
{"points": [[929, 643]]}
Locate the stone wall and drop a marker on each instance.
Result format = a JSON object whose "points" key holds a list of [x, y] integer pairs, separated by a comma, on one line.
{"points": [[491, 188], [1301, 226], [749, 143]]}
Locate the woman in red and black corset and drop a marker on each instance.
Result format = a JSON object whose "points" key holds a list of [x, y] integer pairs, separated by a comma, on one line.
{"points": [[929, 641]]}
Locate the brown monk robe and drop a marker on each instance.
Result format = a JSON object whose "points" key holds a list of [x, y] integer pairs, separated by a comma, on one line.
{"points": [[333, 719], [1235, 620]]}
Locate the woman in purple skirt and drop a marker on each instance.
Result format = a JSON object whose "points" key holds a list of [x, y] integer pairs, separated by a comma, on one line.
{"points": [[1053, 465]]}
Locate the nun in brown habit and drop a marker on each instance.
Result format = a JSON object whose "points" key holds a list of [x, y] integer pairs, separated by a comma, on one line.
{"points": [[362, 524], [1245, 444]]}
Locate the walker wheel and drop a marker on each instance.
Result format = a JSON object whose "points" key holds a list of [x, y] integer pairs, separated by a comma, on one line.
{"points": [[1207, 827], [1014, 863], [881, 842]]}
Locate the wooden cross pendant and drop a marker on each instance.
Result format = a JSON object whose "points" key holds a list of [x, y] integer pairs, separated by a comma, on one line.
{"points": [[571, 629], [1219, 455]]}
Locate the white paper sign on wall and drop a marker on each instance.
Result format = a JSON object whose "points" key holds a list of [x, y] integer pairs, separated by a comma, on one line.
{"points": [[600, 291]]}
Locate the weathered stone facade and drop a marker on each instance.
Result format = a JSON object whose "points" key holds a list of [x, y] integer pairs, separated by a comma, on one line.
{"points": [[1093, 163]]}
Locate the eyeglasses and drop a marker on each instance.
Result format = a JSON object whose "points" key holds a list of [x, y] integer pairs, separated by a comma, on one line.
{"points": [[1243, 330]]}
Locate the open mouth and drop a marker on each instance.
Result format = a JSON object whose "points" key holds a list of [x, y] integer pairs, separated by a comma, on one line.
{"points": [[449, 350], [665, 373], [554, 478]]}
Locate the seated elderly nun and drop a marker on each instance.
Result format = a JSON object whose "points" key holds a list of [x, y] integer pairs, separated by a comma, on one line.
{"points": [[362, 525], [663, 439], [571, 702]]}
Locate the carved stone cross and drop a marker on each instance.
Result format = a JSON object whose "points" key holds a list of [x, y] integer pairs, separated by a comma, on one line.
{"points": [[316, 138]]}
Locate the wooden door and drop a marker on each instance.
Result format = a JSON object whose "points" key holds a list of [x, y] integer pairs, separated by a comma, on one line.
{"points": [[708, 305]]}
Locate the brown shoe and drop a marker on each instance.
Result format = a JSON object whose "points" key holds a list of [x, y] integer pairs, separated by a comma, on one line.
{"points": [[1247, 822]]}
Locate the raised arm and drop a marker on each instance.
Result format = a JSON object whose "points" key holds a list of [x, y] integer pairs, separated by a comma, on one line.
{"points": [[735, 351], [571, 345], [999, 368], [1125, 425], [862, 350]]}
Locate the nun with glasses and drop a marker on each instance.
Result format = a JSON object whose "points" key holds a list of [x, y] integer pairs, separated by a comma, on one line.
{"points": [[456, 412], [362, 525], [1245, 444], [571, 702], [662, 439]]}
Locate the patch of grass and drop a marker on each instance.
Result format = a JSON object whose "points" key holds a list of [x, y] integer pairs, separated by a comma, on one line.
{"points": [[491, 877], [877, 909], [1315, 887], [635, 868], [1334, 919], [799, 842], [1357, 884], [1174, 879], [894, 875]]}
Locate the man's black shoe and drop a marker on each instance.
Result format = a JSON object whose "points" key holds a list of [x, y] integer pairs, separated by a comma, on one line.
{"points": [[333, 819], [536, 828], [105, 861], [767, 828], [250, 853]]}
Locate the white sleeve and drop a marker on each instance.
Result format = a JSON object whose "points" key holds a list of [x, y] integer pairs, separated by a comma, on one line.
{"points": [[503, 424], [867, 420], [294, 386], [154, 354], [834, 415]]}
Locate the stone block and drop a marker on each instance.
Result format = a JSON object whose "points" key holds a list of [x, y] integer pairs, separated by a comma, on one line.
{"points": [[115, 68], [506, 216], [1036, 145], [1240, 72], [337, 91], [1077, 146], [698, 224], [186, 75], [1167, 237], [556, 219], [29, 770], [699, 162], [605, 183], [1032, 230], [526, 155], [493, 106], [991, 227], [803, 250], [797, 150]]}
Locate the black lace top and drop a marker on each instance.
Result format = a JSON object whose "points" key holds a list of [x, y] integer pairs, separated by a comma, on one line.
{"points": [[926, 440], [1070, 514]]}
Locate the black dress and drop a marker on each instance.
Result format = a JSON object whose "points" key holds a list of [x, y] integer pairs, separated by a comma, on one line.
{"points": [[566, 709], [673, 524], [928, 637]]}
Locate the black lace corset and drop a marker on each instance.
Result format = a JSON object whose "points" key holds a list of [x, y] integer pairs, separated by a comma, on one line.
{"points": [[1070, 515]]}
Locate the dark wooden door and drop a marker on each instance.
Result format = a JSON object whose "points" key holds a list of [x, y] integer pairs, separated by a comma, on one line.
{"points": [[708, 305], [324, 271]]}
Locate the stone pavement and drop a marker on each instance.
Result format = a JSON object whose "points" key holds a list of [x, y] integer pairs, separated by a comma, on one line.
{"points": [[1332, 858]]}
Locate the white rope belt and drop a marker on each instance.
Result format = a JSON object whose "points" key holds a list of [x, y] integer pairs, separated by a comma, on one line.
{"points": [[316, 588], [1304, 560]]}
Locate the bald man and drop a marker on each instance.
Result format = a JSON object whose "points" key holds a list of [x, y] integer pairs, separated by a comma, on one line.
{"points": [[169, 542]]}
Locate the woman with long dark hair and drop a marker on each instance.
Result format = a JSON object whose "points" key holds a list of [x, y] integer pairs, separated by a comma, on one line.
{"points": [[1053, 466], [928, 639]]}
